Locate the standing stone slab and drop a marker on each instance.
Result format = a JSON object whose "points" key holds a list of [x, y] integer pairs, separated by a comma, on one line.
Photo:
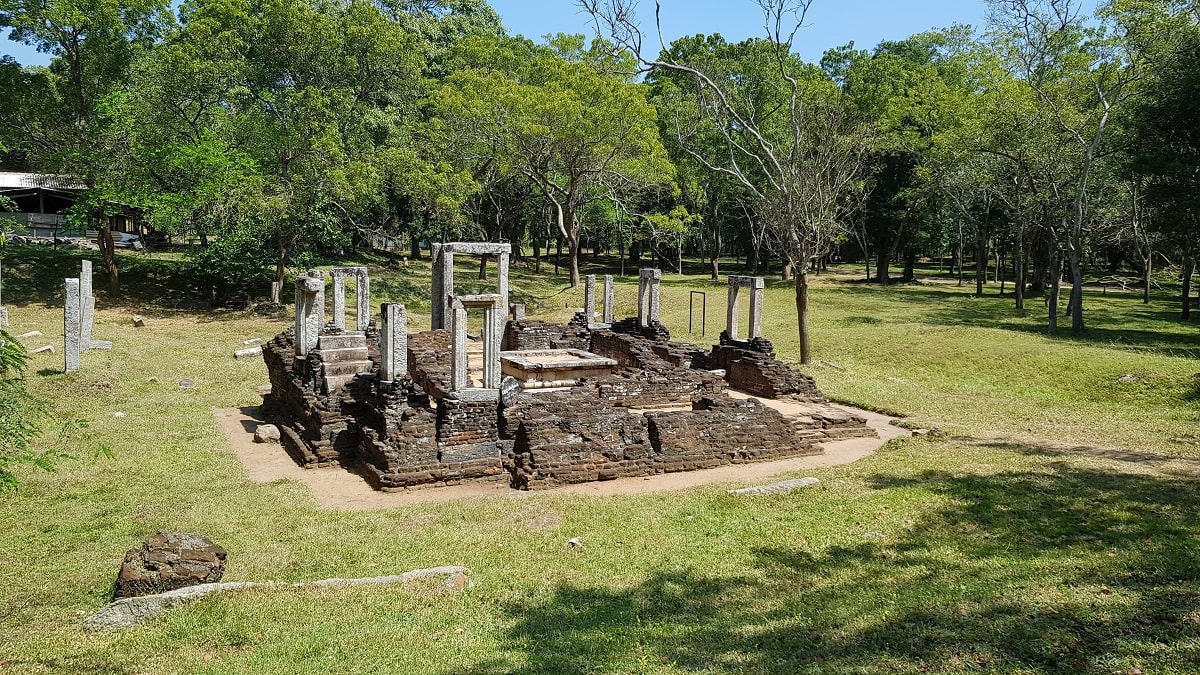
{"points": [[72, 325], [589, 299], [310, 310], [458, 357], [362, 295], [608, 300], [339, 298], [648, 296], [87, 302], [393, 342]]}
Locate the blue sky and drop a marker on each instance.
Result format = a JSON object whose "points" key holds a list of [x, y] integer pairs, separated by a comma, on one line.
{"points": [[830, 22]]}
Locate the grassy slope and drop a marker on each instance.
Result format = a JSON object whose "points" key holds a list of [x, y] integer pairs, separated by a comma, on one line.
{"points": [[1022, 543]]}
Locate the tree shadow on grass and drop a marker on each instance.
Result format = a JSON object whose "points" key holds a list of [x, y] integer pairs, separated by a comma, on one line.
{"points": [[1062, 569]]}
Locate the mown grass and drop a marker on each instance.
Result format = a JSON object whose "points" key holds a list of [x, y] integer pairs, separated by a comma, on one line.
{"points": [[1053, 530]]}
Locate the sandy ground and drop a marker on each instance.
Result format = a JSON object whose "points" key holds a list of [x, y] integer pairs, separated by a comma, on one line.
{"points": [[336, 488]]}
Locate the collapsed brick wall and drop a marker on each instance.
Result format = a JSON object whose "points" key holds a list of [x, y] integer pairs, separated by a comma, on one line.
{"points": [[566, 438], [312, 426], [650, 373], [525, 334], [429, 361], [632, 326], [761, 374]]}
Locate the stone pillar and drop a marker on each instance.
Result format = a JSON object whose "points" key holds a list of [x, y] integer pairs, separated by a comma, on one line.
{"points": [[756, 307], [310, 310], [72, 326], [517, 311], [339, 297], [731, 311], [437, 317], [363, 295], [393, 342], [87, 303], [648, 296], [458, 354], [589, 299], [608, 300], [493, 334], [502, 288]]}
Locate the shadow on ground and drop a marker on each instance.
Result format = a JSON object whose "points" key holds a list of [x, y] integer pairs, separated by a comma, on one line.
{"points": [[1060, 569]]}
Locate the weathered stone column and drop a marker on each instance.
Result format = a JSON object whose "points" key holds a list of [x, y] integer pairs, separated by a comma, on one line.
{"points": [[437, 316], [608, 300], [589, 299], [493, 334], [72, 326], [731, 311], [393, 342], [458, 355], [339, 297], [502, 288], [363, 295], [87, 304], [443, 286], [756, 307], [648, 296], [310, 310]]}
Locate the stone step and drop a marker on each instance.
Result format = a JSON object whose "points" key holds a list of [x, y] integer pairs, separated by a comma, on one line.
{"points": [[332, 382], [346, 368], [344, 341], [343, 354]]}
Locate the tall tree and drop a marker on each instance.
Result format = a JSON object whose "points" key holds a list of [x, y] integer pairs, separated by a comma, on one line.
{"points": [[789, 136]]}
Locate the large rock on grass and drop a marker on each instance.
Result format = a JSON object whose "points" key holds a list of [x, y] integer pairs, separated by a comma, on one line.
{"points": [[168, 561]]}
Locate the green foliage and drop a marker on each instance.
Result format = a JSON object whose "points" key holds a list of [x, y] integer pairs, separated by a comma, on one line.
{"points": [[21, 414], [235, 262]]}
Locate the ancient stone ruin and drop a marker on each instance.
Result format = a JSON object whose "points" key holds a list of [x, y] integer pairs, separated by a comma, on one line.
{"points": [[79, 315], [529, 403]]}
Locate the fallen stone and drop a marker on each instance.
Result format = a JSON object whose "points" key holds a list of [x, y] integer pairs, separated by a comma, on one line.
{"points": [[138, 321], [100, 344], [187, 384], [168, 561], [575, 542], [246, 353], [827, 364], [127, 612], [781, 488], [252, 341], [45, 348], [118, 414], [30, 334], [152, 379], [1127, 378], [266, 433]]}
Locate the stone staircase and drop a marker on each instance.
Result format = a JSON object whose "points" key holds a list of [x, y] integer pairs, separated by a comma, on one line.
{"points": [[342, 357]]}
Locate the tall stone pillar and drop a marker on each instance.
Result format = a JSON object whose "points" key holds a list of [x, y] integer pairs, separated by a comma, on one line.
{"points": [[648, 296], [87, 303], [310, 310], [589, 299], [393, 342], [502, 288], [72, 326], [363, 295], [608, 300], [458, 357], [339, 297]]}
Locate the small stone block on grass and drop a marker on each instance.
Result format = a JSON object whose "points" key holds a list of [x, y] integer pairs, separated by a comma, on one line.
{"points": [[138, 321], [266, 433], [245, 353], [781, 488]]}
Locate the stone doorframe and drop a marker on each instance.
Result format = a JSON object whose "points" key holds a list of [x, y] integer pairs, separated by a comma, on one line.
{"points": [[362, 296], [493, 332], [442, 290], [649, 280], [756, 286]]}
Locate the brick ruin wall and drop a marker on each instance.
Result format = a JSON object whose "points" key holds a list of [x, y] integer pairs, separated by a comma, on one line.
{"points": [[412, 433]]}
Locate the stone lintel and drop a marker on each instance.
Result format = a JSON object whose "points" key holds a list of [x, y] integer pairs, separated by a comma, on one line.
{"points": [[747, 282], [476, 248], [489, 301], [475, 395]]}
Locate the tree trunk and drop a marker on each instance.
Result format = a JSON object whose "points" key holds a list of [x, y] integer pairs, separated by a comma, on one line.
{"points": [[786, 274], [1019, 265], [1076, 291], [715, 256], [981, 261], [802, 314], [910, 266], [537, 254], [573, 251], [881, 268], [281, 256], [1189, 265], [414, 247], [1149, 260], [1052, 303], [483, 260], [109, 250], [557, 253]]}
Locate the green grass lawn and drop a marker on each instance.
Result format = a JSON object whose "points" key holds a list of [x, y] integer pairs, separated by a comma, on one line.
{"points": [[1053, 529]]}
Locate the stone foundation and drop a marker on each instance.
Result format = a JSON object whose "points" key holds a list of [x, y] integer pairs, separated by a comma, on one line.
{"points": [[417, 430]]}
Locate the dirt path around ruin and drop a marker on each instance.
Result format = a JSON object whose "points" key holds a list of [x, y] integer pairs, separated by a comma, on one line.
{"points": [[335, 487]]}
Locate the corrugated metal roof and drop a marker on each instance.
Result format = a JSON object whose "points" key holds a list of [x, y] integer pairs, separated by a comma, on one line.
{"points": [[52, 181]]}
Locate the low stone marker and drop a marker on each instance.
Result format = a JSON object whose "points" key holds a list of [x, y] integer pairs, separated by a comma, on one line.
{"points": [[252, 341], [781, 488], [30, 334], [138, 321], [46, 348], [245, 353]]}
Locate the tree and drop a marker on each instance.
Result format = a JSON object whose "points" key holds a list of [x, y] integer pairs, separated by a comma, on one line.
{"points": [[21, 415], [570, 127], [789, 136]]}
